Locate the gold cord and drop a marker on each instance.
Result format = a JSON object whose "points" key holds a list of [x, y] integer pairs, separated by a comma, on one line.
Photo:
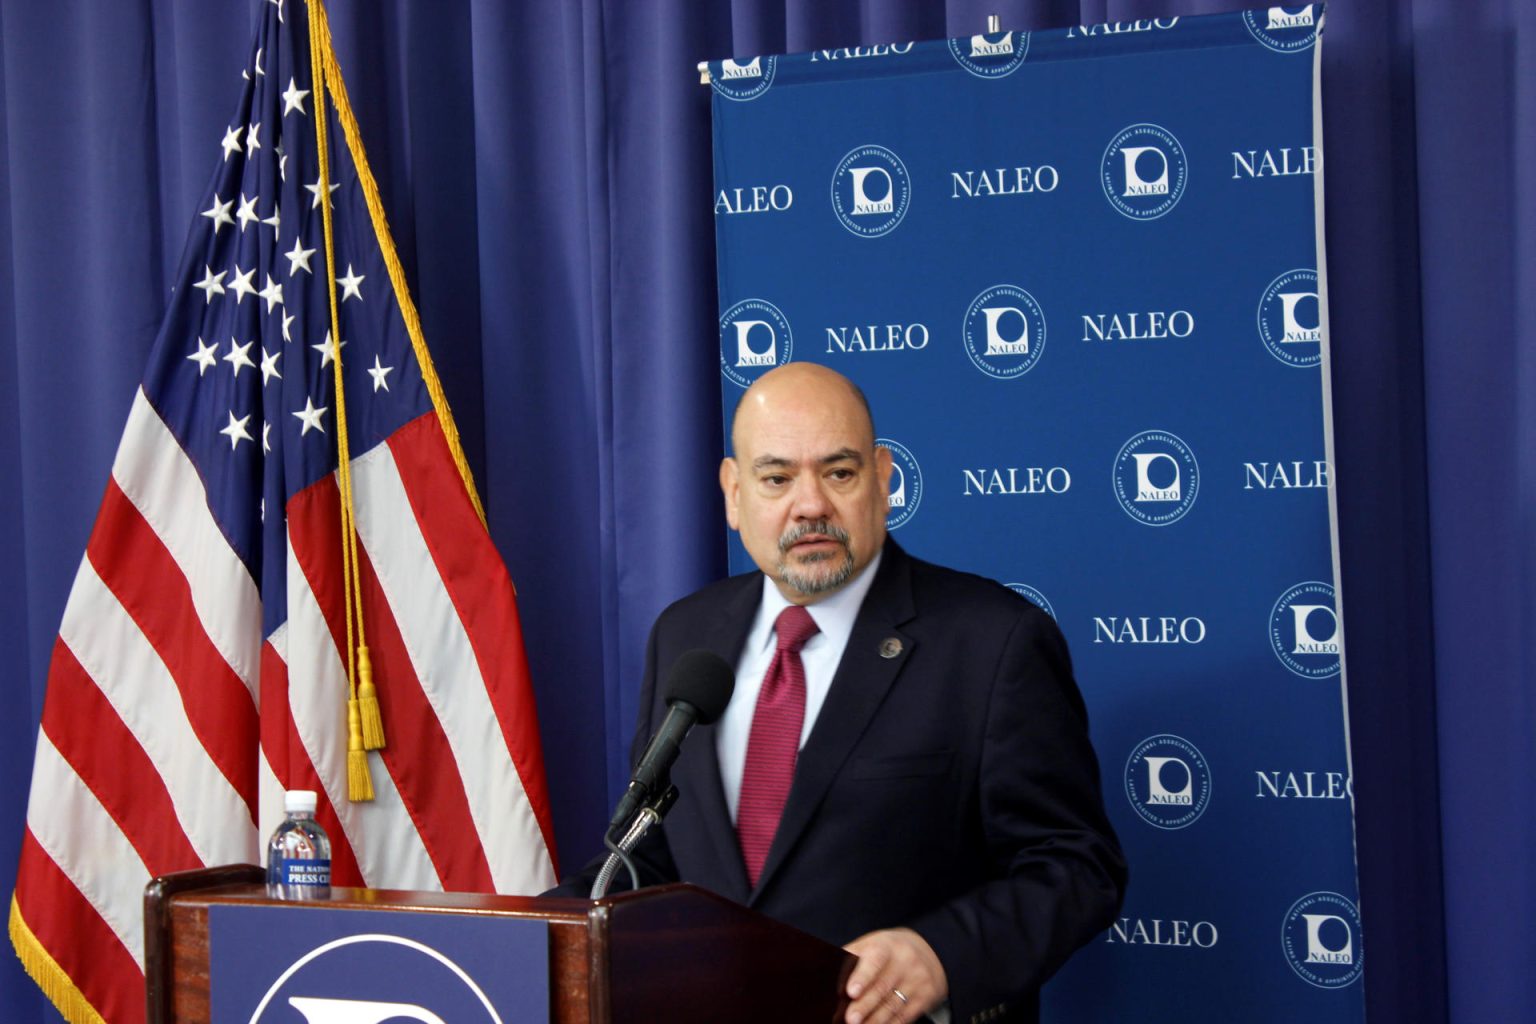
{"points": [[359, 783], [392, 264]]}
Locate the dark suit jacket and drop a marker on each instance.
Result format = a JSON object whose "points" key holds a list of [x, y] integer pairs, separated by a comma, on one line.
{"points": [[950, 788]]}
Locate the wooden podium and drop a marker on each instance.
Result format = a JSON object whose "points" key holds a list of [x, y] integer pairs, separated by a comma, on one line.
{"points": [[673, 953]]}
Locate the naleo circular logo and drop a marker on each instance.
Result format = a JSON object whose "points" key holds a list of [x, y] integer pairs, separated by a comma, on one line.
{"points": [[871, 191], [906, 484], [1304, 630], [1144, 171], [1291, 319], [1032, 595], [1283, 29], [754, 338], [1004, 331], [744, 80], [994, 55], [1321, 940], [1167, 781], [1156, 478]]}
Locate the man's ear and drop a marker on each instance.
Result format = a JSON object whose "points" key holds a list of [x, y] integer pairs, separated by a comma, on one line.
{"points": [[730, 487], [883, 466]]}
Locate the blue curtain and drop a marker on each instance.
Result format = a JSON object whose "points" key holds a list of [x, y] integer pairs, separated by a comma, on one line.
{"points": [[545, 165]]}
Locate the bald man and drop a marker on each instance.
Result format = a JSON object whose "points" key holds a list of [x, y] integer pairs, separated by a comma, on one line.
{"points": [[943, 818]]}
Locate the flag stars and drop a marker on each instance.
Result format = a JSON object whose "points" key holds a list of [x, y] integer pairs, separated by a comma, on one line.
{"points": [[266, 446], [205, 356], [273, 293], [239, 357], [260, 71], [219, 213], [269, 369], [241, 285], [298, 258], [274, 220], [236, 431], [252, 140], [231, 143], [350, 285], [288, 318], [210, 283], [310, 416], [328, 350], [247, 212], [379, 372], [293, 99], [315, 190]]}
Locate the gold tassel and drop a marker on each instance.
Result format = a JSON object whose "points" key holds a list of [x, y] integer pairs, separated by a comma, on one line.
{"points": [[368, 698], [359, 782]]}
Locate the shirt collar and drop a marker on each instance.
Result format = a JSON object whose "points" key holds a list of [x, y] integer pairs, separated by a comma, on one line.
{"points": [[833, 615]]}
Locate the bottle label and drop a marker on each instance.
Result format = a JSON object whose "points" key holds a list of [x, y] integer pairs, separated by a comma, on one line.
{"points": [[305, 872]]}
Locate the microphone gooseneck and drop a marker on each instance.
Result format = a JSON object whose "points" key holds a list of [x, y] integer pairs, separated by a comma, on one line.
{"points": [[698, 688]]}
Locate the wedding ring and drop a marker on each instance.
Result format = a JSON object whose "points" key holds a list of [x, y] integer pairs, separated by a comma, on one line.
{"points": [[899, 995]]}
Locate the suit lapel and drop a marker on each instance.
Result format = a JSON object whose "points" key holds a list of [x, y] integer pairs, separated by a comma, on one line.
{"points": [[699, 774], [863, 678]]}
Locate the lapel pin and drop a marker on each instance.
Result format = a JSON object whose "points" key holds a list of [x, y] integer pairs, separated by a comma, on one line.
{"points": [[890, 647]]}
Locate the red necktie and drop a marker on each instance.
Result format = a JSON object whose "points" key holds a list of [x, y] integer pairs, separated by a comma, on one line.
{"points": [[774, 741]]}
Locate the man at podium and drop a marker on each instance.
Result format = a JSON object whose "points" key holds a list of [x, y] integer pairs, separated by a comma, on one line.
{"points": [[904, 765]]}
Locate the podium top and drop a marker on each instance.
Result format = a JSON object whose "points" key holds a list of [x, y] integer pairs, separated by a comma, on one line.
{"points": [[674, 952]]}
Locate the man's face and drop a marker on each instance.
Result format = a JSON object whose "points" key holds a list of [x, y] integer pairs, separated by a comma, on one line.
{"points": [[808, 489]]}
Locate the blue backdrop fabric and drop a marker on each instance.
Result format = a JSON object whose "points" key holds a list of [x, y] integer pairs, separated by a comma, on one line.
{"points": [[546, 168], [1076, 273]]}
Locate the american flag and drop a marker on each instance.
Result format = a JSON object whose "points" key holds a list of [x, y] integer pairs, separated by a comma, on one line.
{"points": [[201, 666]]}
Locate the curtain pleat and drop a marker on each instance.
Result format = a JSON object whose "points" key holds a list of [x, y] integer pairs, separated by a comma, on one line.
{"points": [[546, 168]]}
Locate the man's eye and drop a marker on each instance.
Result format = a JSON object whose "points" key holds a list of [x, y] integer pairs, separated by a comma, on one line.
{"points": [[775, 481], [841, 474]]}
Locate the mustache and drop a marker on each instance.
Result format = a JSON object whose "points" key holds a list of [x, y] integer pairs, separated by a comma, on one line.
{"points": [[820, 527]]}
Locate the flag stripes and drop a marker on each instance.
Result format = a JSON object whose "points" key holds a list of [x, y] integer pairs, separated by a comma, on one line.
{"points": [[291, 763], [419, 750], [472, 572], [202, 665], [115, 768], [442, 656], [94, 857], [155, 474], [128, 670], [136, 567], [96, 976]]}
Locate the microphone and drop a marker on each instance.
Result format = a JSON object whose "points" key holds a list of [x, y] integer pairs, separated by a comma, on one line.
{"points": [[699, 686]]}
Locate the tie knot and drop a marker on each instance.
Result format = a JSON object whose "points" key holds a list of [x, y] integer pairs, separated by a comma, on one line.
{"points": [[794, 627]]}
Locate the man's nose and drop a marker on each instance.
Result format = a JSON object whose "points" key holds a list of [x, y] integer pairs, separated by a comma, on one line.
{"points": [[810, 499]]}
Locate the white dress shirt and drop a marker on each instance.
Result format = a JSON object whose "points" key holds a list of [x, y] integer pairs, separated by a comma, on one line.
{"points": [[821, 654]]}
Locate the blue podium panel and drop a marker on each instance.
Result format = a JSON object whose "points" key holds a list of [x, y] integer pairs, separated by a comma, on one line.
{"points": [[317, 965], [1079, 275]]}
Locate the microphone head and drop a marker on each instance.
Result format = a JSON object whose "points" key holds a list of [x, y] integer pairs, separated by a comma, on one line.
{"points": [[703, 679]]}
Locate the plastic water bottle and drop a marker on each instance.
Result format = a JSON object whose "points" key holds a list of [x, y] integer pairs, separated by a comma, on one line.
{"points": [[299, 855]]}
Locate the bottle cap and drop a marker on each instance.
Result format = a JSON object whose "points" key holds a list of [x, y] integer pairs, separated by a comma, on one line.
{"points": [[300, 801]]}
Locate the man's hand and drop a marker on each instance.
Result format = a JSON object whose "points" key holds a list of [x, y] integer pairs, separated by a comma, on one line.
{"points": [[897, 980]]}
